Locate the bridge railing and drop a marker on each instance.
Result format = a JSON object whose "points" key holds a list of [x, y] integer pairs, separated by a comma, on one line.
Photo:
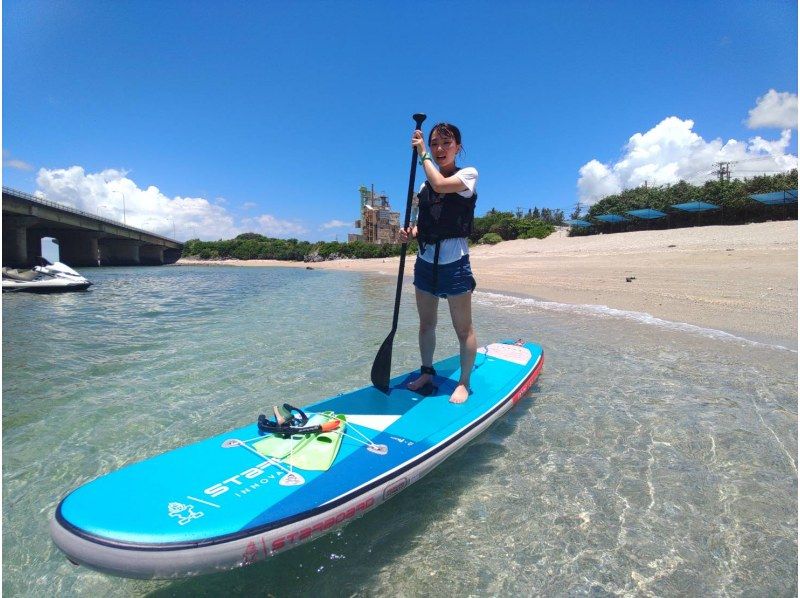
{"points": [[61, 206]]}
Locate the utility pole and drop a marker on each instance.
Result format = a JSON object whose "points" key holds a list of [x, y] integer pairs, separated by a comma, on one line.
{"points": [[723, 171]]}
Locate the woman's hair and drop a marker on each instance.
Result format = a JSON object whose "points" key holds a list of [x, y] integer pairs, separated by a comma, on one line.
{"points": [[446, 130]]}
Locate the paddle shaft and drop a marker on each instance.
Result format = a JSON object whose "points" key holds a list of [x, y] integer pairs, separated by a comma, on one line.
{"points": [[418, 118], [381, 367]]}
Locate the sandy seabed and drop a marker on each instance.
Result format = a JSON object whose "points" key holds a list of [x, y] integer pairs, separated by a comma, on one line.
{"points": [[740, 279]]}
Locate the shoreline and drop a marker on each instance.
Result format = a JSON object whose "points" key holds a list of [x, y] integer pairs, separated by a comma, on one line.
{"points": [[740, 279]]}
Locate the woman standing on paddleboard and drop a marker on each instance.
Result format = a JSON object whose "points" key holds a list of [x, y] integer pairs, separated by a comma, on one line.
{"points": [[442, 270]]}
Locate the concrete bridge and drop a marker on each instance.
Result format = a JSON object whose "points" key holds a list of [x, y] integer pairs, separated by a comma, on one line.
{"points": [[84, 239]]}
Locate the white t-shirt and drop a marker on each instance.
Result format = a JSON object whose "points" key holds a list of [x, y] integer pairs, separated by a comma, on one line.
{"points": [[452, 250]]}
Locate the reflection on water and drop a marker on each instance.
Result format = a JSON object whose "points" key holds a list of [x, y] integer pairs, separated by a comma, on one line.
{"points": [[649, 458]]}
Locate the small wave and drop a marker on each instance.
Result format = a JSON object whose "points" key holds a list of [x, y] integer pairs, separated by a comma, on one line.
{"points": [[603, 311]]}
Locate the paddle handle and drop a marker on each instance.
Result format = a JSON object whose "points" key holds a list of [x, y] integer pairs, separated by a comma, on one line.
{"points": [[418, 119]]}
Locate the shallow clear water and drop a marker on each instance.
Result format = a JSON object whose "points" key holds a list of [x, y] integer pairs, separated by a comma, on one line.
{"points": [[650, 458]]}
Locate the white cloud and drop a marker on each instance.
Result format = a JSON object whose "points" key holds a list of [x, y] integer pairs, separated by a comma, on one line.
{"points": [[17, 164], [775, 110], [596, 182], [335, 224], [248, 205], [671, 151], [270, 226], [9, 162], [111, 194]]}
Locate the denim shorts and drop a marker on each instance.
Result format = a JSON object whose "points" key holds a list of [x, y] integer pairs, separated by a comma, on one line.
{"points": [[453, 279]]}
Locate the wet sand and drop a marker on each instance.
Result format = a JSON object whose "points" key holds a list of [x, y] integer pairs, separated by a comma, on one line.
{"points": [[740, 279]]}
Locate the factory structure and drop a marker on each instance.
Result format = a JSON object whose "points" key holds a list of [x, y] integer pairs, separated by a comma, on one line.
{"points": [[378, 223]]}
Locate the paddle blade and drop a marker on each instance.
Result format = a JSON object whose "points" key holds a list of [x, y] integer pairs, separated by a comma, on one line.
{"points": [[382, 366]]}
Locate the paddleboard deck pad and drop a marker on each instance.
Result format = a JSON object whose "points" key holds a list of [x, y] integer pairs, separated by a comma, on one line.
{"points": [[219, 503]]}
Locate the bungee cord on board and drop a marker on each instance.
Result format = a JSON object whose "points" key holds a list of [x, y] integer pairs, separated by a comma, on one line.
{"points": [[294, 429]]}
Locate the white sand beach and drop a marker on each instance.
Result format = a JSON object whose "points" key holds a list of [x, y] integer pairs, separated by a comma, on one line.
{"points": [[740, 279]]}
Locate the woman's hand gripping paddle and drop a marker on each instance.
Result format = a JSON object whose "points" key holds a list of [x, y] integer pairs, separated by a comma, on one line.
{"points": [[382, 366]]}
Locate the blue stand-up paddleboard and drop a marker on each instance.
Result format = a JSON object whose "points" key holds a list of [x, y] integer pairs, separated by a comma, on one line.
{"points": [[226, 502]]}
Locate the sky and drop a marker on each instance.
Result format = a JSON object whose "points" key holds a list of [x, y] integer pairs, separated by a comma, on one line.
{"points": [[207, 119]]}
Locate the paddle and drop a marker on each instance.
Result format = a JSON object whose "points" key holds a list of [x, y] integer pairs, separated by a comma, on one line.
{"points": [[381, 367]]}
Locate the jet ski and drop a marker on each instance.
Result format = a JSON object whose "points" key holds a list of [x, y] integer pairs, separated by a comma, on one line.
{"points": [[44, 278]]}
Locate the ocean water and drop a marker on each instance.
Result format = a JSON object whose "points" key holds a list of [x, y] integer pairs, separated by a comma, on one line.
{"points": [[651, 458]]}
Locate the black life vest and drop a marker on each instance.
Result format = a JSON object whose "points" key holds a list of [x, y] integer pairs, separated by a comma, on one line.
{"points": [[444, 215]]}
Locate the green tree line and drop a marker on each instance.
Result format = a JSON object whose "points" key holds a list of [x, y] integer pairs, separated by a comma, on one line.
{"points": [[731, 196], [492, 228], [498, 226], [252, 246]]}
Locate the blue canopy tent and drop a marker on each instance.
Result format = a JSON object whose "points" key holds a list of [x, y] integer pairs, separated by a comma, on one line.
{"points": [[579, 223], [613, 221], [697, 207], [611, 218], [647, 214], [776, 198], [785, 198]]}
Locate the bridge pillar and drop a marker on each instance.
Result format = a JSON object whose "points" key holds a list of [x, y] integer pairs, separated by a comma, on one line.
{"points": [[171, 255], [119, 252], [152, 255], [34, 242], [78, 248], [16, 244]]}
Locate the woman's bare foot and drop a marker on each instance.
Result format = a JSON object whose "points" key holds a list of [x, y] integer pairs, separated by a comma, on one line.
{"points": [[419, 382], [460, 394]]}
